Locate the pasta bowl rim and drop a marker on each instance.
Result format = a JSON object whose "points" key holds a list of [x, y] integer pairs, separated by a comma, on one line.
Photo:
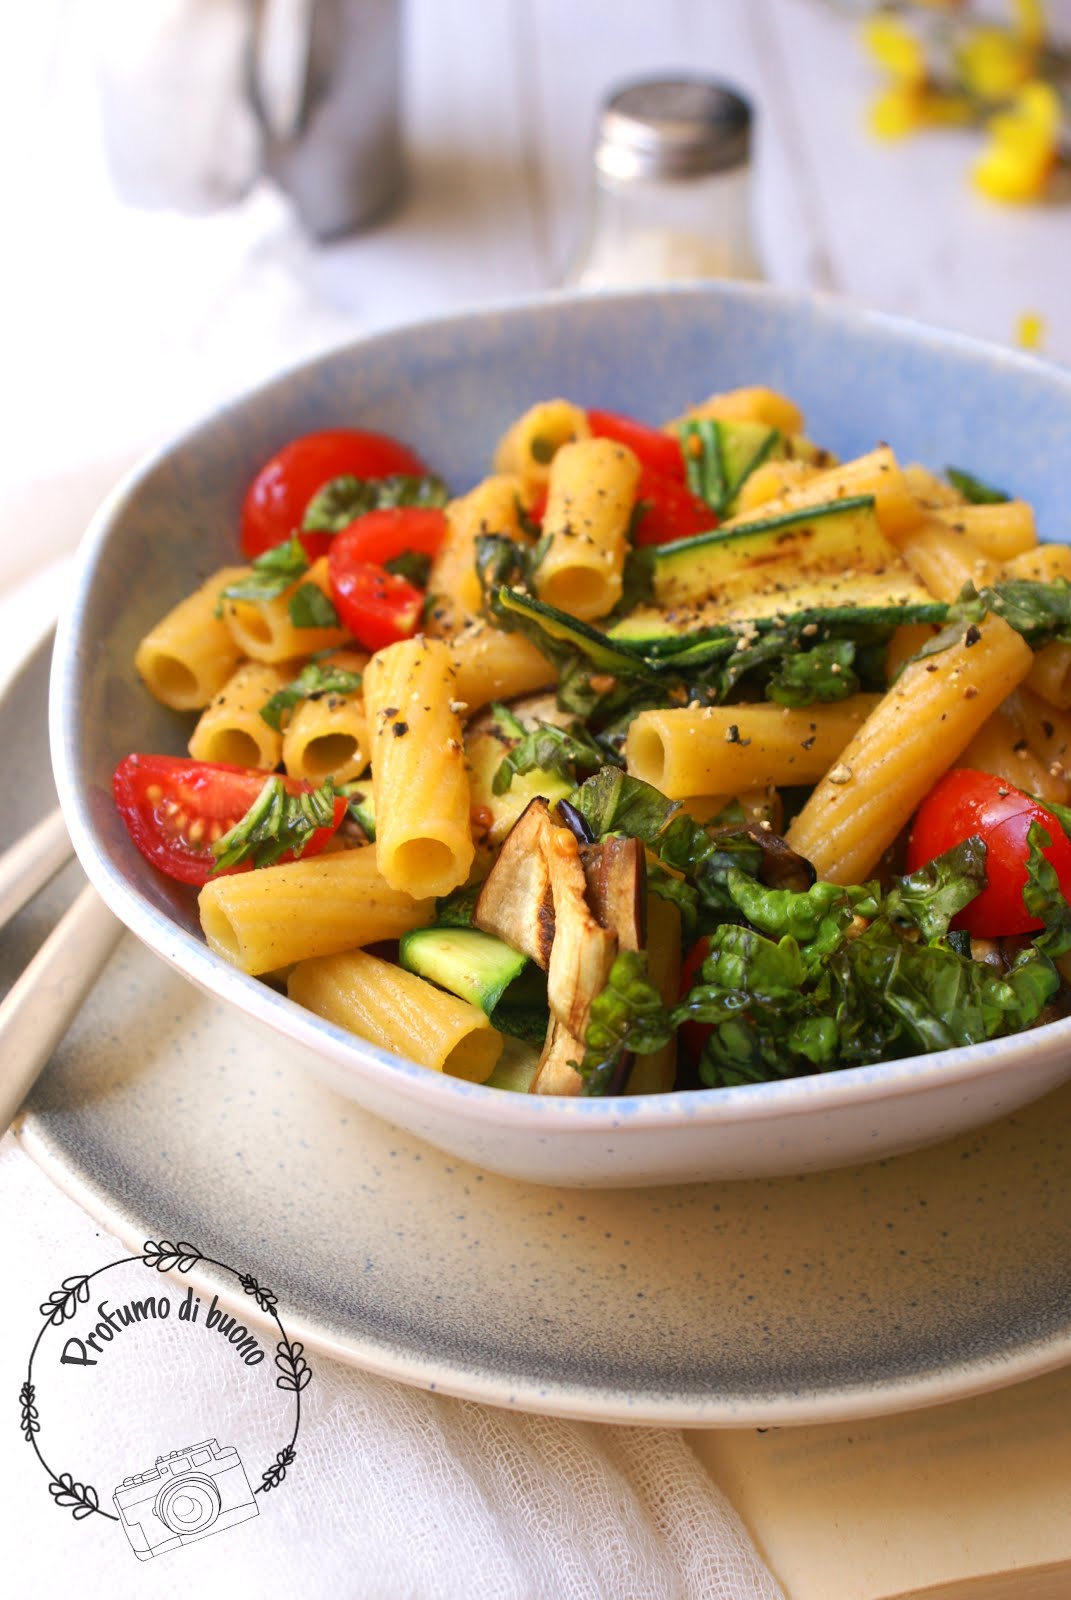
{"points": [[860, 1085]]}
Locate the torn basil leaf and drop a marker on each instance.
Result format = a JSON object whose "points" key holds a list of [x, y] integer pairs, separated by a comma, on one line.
{"points": [[1043, 896], [627, 1018], [310, 608], [929, 898], [315, 679], [275, 823], [614, 802], [548, 748], [345, 498], [272, 573]]}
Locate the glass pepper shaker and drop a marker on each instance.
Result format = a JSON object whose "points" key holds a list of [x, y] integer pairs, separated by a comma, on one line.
{"points": [[672, 186]]}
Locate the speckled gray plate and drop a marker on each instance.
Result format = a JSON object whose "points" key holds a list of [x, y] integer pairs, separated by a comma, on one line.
{"points": [[807, 1299]]}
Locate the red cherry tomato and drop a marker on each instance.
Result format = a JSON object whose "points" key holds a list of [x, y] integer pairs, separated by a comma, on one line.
{"points": [[381, 535], [965, 803], [693, 1035], [672, 511], [377, 606], [175, 809], [655, 449], [275, 501]]}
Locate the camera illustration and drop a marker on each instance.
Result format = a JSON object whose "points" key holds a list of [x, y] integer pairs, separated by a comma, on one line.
{"points": [[189, 1494]]}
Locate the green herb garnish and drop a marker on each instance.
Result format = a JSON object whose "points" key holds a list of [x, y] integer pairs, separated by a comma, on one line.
{"points": [[315, 679], [344, 499], [273, 572], [310, 608], [275, 823]]}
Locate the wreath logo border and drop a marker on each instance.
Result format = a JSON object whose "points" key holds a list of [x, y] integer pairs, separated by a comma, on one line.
{"points": [[294, 1375]]}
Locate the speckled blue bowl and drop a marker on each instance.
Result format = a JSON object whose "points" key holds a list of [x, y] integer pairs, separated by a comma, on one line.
{"points": [[449, 388]]}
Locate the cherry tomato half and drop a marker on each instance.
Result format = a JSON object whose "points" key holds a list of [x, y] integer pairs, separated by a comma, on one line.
{"points": [[377, 606], [655, 449], [671, 512], [381, 535], [175, 809], [965, 803], [275, 501]]}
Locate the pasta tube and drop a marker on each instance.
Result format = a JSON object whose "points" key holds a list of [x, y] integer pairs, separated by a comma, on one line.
{"points": [[999, 531], [494, 506], [1000, 747], [327, 735], [190, 653], [591, 494], [265, 630], [944, 559], [419, 780], [530, 445], [876, 474], [753, 404], [493, 665], [400, 1012], [728, 749], [232, 729], [1042, 564], [277, 915], [914, 734]]}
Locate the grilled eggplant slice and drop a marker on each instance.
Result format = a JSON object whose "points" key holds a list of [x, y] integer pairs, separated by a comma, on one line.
{"points": [[556, 1073], [516, 902], [583, 950], [616, 879]]}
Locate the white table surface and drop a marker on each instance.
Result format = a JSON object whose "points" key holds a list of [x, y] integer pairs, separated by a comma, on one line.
{"points": [[118, 325]]}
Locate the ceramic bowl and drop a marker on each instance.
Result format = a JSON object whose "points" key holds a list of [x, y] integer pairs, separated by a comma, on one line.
{"points": [[449, 388]]}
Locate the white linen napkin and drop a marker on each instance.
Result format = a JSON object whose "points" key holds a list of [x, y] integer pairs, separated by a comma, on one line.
{"points": [[399, 1493]]}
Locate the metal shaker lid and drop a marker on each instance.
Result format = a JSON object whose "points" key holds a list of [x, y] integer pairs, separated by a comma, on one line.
{"points": [[673, 128]]}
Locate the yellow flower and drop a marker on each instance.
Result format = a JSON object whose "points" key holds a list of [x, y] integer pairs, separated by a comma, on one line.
{"points": [[895, 48], [1030, 22], [1030, 330], [1023, 145], [897, 112], [993, 63]]}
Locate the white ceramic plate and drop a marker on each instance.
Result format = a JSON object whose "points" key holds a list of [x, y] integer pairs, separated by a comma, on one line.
{"points": [[839, 1294]]}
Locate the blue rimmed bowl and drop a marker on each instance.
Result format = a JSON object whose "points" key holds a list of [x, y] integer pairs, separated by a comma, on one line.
{"points": [[449, 388]]}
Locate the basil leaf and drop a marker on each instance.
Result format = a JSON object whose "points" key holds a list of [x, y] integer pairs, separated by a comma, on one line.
{"points": [[929, 898], [1043, 896], [815, 918], [315, 679], [276, 822], [310, 608], [627, 1017], [272, 573], [1041, 612], [345, 498], [822, 673], [973, 489], [614, 802], [551, 749], [412, 565], [679, 892], [707, 860]]}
